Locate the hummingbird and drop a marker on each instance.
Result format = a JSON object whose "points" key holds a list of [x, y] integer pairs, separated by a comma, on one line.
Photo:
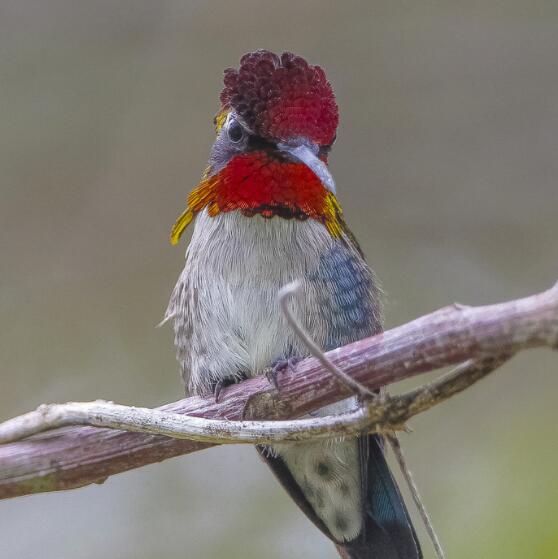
{"points": [[266, 214]]}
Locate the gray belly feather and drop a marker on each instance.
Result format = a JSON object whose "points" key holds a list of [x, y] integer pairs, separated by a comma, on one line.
{"points": [[228, 323]]}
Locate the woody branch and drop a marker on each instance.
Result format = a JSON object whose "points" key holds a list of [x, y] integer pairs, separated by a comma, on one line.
{"points": [[477, 339]]}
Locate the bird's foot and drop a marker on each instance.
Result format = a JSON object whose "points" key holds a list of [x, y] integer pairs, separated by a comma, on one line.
{"points": [[280, 366], [223, 383]]}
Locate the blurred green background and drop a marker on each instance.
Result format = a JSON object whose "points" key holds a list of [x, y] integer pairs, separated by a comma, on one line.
{"points": [[447, 167]]}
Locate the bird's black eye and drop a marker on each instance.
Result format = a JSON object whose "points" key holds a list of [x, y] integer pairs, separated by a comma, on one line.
{"points": [[235, 131]]}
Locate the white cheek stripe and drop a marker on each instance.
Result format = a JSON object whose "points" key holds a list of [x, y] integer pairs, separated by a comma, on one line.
{"points": [[305, 155]]}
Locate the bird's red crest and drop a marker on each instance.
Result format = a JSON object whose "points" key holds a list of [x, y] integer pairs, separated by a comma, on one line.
{"points": [[280, 98]]}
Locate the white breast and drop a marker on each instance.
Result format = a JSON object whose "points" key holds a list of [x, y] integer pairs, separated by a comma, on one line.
{"points": [[228, 323], [225, 310]]}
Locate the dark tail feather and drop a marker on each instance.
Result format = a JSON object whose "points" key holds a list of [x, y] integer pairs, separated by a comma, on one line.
{"points": [[388, 532]]}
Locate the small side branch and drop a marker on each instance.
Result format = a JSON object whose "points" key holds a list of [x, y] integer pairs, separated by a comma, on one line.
{"points": [[481, 338], [388, 414], [398, 452]]}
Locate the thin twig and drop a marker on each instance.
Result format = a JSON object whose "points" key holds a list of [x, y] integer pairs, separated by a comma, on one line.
{"points": [[413, 488], [285, 294], [155, 422], [387, 414]]}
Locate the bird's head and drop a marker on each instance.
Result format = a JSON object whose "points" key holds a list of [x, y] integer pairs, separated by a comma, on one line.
{"points": [[276, 125]]}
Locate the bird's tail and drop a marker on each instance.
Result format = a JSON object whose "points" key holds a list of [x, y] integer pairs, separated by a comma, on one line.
{"points": [[388, 532]]}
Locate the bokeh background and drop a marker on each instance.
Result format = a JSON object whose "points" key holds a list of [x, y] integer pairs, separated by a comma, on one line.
{"points": [[447, 167]]}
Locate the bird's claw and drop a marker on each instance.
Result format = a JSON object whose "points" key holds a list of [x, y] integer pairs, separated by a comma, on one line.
{"points": [[218, 386], [280, 366], [223, 383]]}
